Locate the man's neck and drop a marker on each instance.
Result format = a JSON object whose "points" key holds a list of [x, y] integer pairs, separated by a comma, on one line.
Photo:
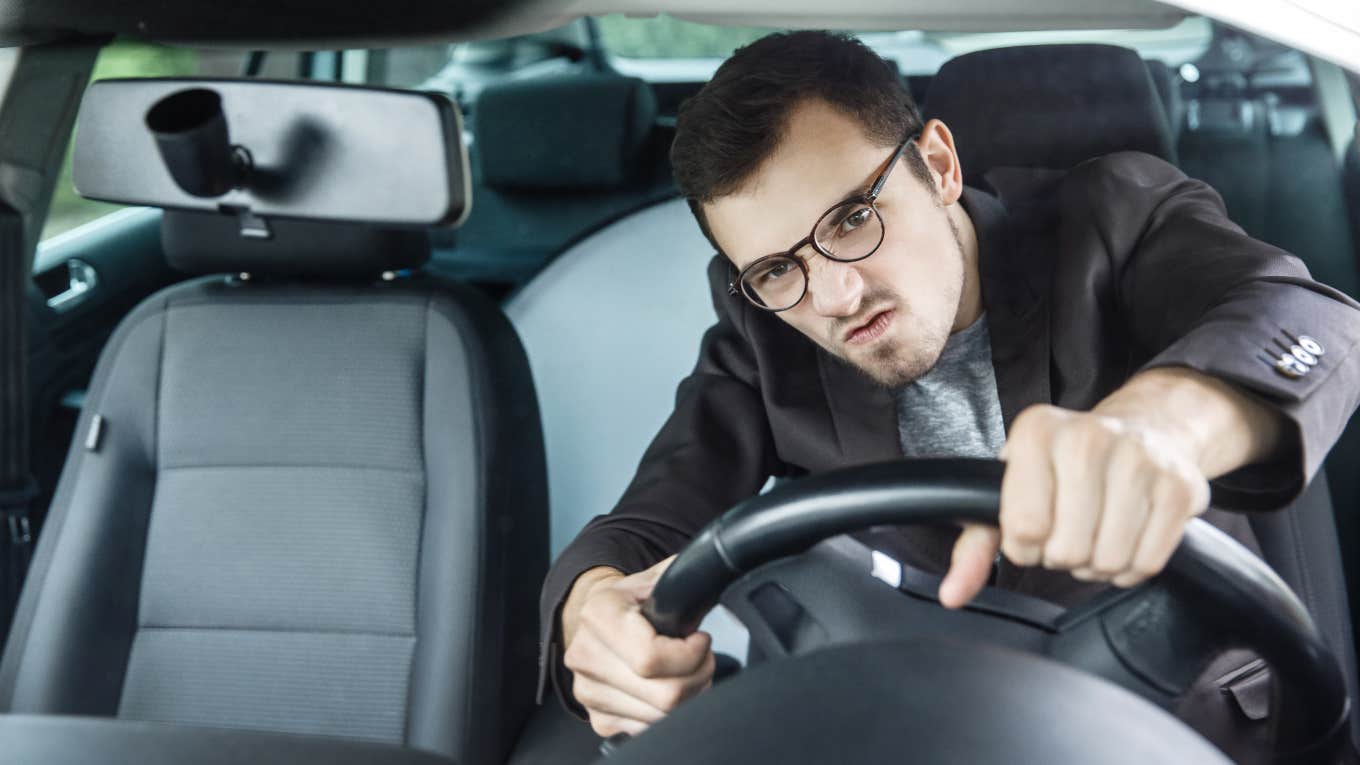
{"points": [[970, 297]]}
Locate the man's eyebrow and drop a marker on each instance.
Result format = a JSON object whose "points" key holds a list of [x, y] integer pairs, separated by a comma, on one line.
{"points": [[855, 194]]}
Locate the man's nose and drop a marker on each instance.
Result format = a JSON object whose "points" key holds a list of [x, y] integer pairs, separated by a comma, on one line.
{"points": [[835, 288]]}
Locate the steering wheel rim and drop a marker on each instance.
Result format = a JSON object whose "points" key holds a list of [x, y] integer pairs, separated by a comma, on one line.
{"points": [[1208, 568]]}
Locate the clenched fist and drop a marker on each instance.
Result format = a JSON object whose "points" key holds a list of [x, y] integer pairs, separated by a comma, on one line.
{"points": [[1106, 494], [625, 675]]}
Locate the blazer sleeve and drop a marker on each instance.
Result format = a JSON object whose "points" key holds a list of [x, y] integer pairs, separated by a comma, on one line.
{"points": [[714, 450], [1197, 292]]}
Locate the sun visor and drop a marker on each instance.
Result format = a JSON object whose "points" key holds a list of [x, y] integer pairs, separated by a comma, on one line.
{"points": [[260, 150]]}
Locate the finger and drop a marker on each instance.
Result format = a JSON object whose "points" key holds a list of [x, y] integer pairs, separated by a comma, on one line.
{"points": [[1128, 489], [664, 693], [642, 583], [1079, 459], [618, 623], [598, 697], [1026, 489], [606, 725], [599, 663], [974, 554], [1175, 501]]}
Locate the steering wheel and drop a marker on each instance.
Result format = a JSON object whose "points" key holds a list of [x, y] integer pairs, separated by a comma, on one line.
{"points": [[1152, 640]]}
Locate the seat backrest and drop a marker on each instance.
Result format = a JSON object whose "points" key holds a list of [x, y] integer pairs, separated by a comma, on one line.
{"points": [[611, 355], [309, 501], [1047, 106], [1279, 179]]}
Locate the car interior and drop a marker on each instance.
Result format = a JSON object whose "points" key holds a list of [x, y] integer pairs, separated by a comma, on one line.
{"points": [[314, 409]]}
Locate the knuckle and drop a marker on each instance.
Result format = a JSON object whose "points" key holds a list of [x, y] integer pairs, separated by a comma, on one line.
{"points": [[593, 617], [1146, 568], [576, 657], [585, 694], [647, 665], [1130, 454], [603, 725], [1024, 526], [1029, 530], [1185, 495], [1108, 563], [1064, 556], [1024, 555], [669, 695]]}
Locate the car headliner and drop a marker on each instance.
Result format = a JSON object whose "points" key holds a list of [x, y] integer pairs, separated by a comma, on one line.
{"points": [[1328, 30]]}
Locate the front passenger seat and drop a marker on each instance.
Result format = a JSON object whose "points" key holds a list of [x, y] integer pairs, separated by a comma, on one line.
{"points": [[312, 501]]}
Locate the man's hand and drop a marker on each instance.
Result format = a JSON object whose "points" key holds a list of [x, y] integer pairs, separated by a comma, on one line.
{"points": [[1106, 494], [626, 676]]}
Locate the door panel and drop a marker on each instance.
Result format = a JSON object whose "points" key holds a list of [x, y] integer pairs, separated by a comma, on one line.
{"points": [[123, 254]]}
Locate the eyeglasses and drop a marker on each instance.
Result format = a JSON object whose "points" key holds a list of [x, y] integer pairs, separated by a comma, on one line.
{"points": [[850, 231]]}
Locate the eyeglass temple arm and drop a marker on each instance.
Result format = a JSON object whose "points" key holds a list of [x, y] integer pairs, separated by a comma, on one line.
{"points": [[883, 179]]}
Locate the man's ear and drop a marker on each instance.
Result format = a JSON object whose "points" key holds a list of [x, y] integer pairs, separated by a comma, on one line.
{"points": [[936, 145]]}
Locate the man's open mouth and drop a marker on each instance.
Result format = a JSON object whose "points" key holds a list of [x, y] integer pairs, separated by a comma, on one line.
{"points": [[870, 330]]}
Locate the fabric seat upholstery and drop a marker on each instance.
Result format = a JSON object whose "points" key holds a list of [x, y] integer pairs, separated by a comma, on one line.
{"points": [[311, 506]]}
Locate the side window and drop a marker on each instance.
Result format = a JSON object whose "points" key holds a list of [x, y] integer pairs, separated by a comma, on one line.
{"points": [[131, 59]]}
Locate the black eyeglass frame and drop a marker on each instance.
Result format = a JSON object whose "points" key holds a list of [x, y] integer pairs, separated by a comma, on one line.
{"points": [[870, 197]]}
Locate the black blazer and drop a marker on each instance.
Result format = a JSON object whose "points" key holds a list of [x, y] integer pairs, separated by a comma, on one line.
{"points": [[1088, 276]]}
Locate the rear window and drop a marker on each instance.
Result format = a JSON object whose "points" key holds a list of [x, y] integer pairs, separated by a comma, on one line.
{"points": [[664, 48]]}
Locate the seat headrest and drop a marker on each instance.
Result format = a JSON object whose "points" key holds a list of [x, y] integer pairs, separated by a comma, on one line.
{"points": [[566, 132], [208, 243], [1048, 106]]}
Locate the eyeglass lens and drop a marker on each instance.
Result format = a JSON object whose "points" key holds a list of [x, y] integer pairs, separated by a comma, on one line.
{"points": [[847, 233]]}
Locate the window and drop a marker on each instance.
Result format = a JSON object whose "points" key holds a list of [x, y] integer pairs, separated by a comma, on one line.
{"points": [[130, 59], [667, 37], [666, 49]]}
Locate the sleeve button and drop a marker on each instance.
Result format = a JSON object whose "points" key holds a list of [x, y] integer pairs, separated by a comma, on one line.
{"points": [[1291, 367], [1310, 345]]}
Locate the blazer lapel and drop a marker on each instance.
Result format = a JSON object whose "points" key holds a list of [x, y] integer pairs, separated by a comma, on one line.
{"points": [[862, 412], [1013, 263]]}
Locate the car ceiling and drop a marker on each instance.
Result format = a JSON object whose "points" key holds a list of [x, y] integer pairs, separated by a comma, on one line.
{"points": [[273, 24], [1319, 27]]}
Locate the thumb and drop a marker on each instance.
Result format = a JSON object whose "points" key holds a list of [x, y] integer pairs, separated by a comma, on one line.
{"points": [[640, 585], [974, 553]]}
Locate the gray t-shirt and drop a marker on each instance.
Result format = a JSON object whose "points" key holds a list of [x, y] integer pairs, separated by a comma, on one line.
{"points": [[953, 410]]}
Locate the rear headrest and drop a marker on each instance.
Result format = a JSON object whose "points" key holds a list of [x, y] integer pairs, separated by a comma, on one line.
{"points": [[1049, 106], [568, 132], [208, 243]]}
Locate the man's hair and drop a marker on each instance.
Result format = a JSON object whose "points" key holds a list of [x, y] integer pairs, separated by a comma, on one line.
{"points": [[732, 125]]}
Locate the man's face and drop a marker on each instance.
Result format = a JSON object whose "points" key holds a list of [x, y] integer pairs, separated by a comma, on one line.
{"points": [[890, 314]]}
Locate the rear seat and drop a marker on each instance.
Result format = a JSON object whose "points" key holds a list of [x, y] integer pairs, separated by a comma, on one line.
{"points": [[1273, 165], [553, 159], [1264, 148]]}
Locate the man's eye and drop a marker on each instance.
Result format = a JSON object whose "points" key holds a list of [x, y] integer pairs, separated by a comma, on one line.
{"points": [[775, 271], [852, 222]]}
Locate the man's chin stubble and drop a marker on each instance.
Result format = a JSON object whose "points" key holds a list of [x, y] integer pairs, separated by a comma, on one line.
{"points": [[888, 367]]}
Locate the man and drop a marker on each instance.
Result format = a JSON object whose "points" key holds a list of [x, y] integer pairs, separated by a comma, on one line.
{"points": [[1104, 338]]}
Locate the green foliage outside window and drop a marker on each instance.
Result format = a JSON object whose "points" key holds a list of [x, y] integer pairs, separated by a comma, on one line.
{"points": [[121, 59], [667, 37]]}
